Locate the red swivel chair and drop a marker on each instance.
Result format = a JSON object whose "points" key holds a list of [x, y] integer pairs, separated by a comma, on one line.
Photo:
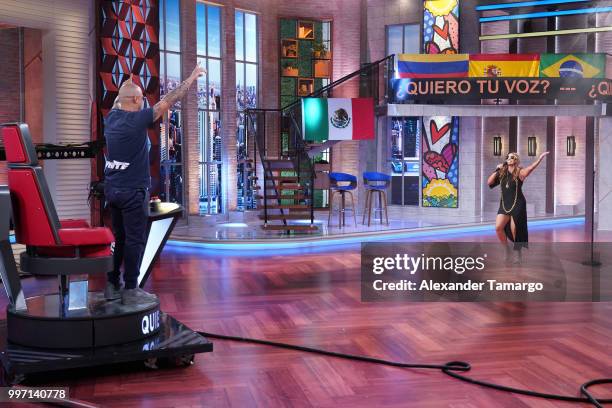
{"points": [[44, 333], [54, 246]]}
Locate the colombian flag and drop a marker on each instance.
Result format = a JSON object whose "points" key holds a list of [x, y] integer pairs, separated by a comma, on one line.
{"points": [[573, 65], [431, 65], [504, 65]]}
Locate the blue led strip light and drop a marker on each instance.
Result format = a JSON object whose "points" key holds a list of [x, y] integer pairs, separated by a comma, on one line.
{"points": [[527, 4], [437, 233], [542, 14], [545, 33]]}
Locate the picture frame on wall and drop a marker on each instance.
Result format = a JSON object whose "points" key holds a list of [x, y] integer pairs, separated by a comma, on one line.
{"points": [[305, 86], [306, 30], [289, 48]]}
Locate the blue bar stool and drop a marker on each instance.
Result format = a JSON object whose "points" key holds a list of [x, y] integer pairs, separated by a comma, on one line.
{"points": [[341, 183], [376, 183]]}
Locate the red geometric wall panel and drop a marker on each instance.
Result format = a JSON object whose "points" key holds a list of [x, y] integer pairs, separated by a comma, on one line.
{"points": [[128, 43]]}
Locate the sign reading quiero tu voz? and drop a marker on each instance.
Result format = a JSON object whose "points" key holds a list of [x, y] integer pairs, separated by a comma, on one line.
{"points": [[572, 77], [464, 271], [405, 89]]}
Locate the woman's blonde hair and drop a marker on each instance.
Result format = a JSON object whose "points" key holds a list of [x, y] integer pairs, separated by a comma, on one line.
{"points": [[503, 173]]}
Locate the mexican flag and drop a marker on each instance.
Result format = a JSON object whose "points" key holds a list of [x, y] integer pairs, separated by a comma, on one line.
{"points": [[337, 119]]}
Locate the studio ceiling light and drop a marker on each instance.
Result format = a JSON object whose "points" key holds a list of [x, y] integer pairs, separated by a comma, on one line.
{"points": [[501, 6], [544, 14]]}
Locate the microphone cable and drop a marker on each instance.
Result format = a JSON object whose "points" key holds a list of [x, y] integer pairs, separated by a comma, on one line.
{"points": [[453, 369]]}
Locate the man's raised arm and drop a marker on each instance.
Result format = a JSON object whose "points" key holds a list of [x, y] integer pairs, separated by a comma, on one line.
{"points": [[171, 97]]}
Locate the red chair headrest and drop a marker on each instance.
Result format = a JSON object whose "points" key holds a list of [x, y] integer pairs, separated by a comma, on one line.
{"points": [[18, 144]]}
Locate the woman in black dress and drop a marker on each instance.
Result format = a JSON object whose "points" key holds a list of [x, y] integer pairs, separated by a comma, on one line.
{"points": [[511, 221]]}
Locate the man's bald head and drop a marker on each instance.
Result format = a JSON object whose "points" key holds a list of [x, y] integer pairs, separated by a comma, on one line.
{"points": [[129, 89], [130, 96]]}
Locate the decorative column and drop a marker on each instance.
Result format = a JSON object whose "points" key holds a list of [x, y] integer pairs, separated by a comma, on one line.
{"points": [[129, 44], [228, 112], [440, 134], [189, 110]]}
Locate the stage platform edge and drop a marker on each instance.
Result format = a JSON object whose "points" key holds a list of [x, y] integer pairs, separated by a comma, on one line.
{"points": [[173, 340]]}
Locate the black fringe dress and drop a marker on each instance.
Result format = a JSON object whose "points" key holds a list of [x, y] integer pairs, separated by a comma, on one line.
{"points": [[513, 203]]}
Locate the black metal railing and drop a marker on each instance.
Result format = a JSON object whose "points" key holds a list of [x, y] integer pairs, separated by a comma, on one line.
{"points": [[373, 82]]}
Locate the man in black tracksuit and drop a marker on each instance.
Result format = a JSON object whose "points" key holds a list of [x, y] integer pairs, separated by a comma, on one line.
{"points": [[127, 182]]}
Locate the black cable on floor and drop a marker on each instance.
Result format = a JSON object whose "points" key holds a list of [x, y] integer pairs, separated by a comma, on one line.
{"points": [[453, 369]]}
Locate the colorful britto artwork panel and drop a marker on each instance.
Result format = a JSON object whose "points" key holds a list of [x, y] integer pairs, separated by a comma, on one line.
{"points": [[440, 136], [441, 27], [440, 161]]}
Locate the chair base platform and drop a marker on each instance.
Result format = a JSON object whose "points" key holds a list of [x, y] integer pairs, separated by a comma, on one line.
{"points": [[47, 324], [174, 342]]}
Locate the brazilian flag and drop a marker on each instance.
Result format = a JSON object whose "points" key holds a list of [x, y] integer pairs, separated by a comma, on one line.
{"points": [[573, 65]]}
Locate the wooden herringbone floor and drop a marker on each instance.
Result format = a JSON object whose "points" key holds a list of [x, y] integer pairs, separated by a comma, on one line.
{"points": [[313, 298]]}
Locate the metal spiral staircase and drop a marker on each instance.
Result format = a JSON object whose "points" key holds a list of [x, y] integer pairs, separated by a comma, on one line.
{"points": [[286, 193]]}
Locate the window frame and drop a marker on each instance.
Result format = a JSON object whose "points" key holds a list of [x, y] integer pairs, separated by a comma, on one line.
{"points": [[204, 146], [163, 54], [403, 26], [244, 63]]}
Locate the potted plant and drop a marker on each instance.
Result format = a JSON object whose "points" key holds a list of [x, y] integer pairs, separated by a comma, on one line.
{"points": [[319, 50], [290, 69]]}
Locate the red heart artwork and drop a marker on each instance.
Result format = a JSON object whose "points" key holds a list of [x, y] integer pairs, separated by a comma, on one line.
{"points": [[442, 32], [442, 162], [436, 134], [435, 160]]}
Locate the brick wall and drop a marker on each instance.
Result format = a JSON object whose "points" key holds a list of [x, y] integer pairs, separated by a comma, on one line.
{"points": [[533, 44], [9, 82], [569, 171], [191, 144], [497, 27], [381, 13], [346, 46], [228, 109], [535, 187], [604, 40]]}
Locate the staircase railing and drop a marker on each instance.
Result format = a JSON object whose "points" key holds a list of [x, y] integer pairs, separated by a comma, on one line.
{"points": [[370, 85], [371, 68]]}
